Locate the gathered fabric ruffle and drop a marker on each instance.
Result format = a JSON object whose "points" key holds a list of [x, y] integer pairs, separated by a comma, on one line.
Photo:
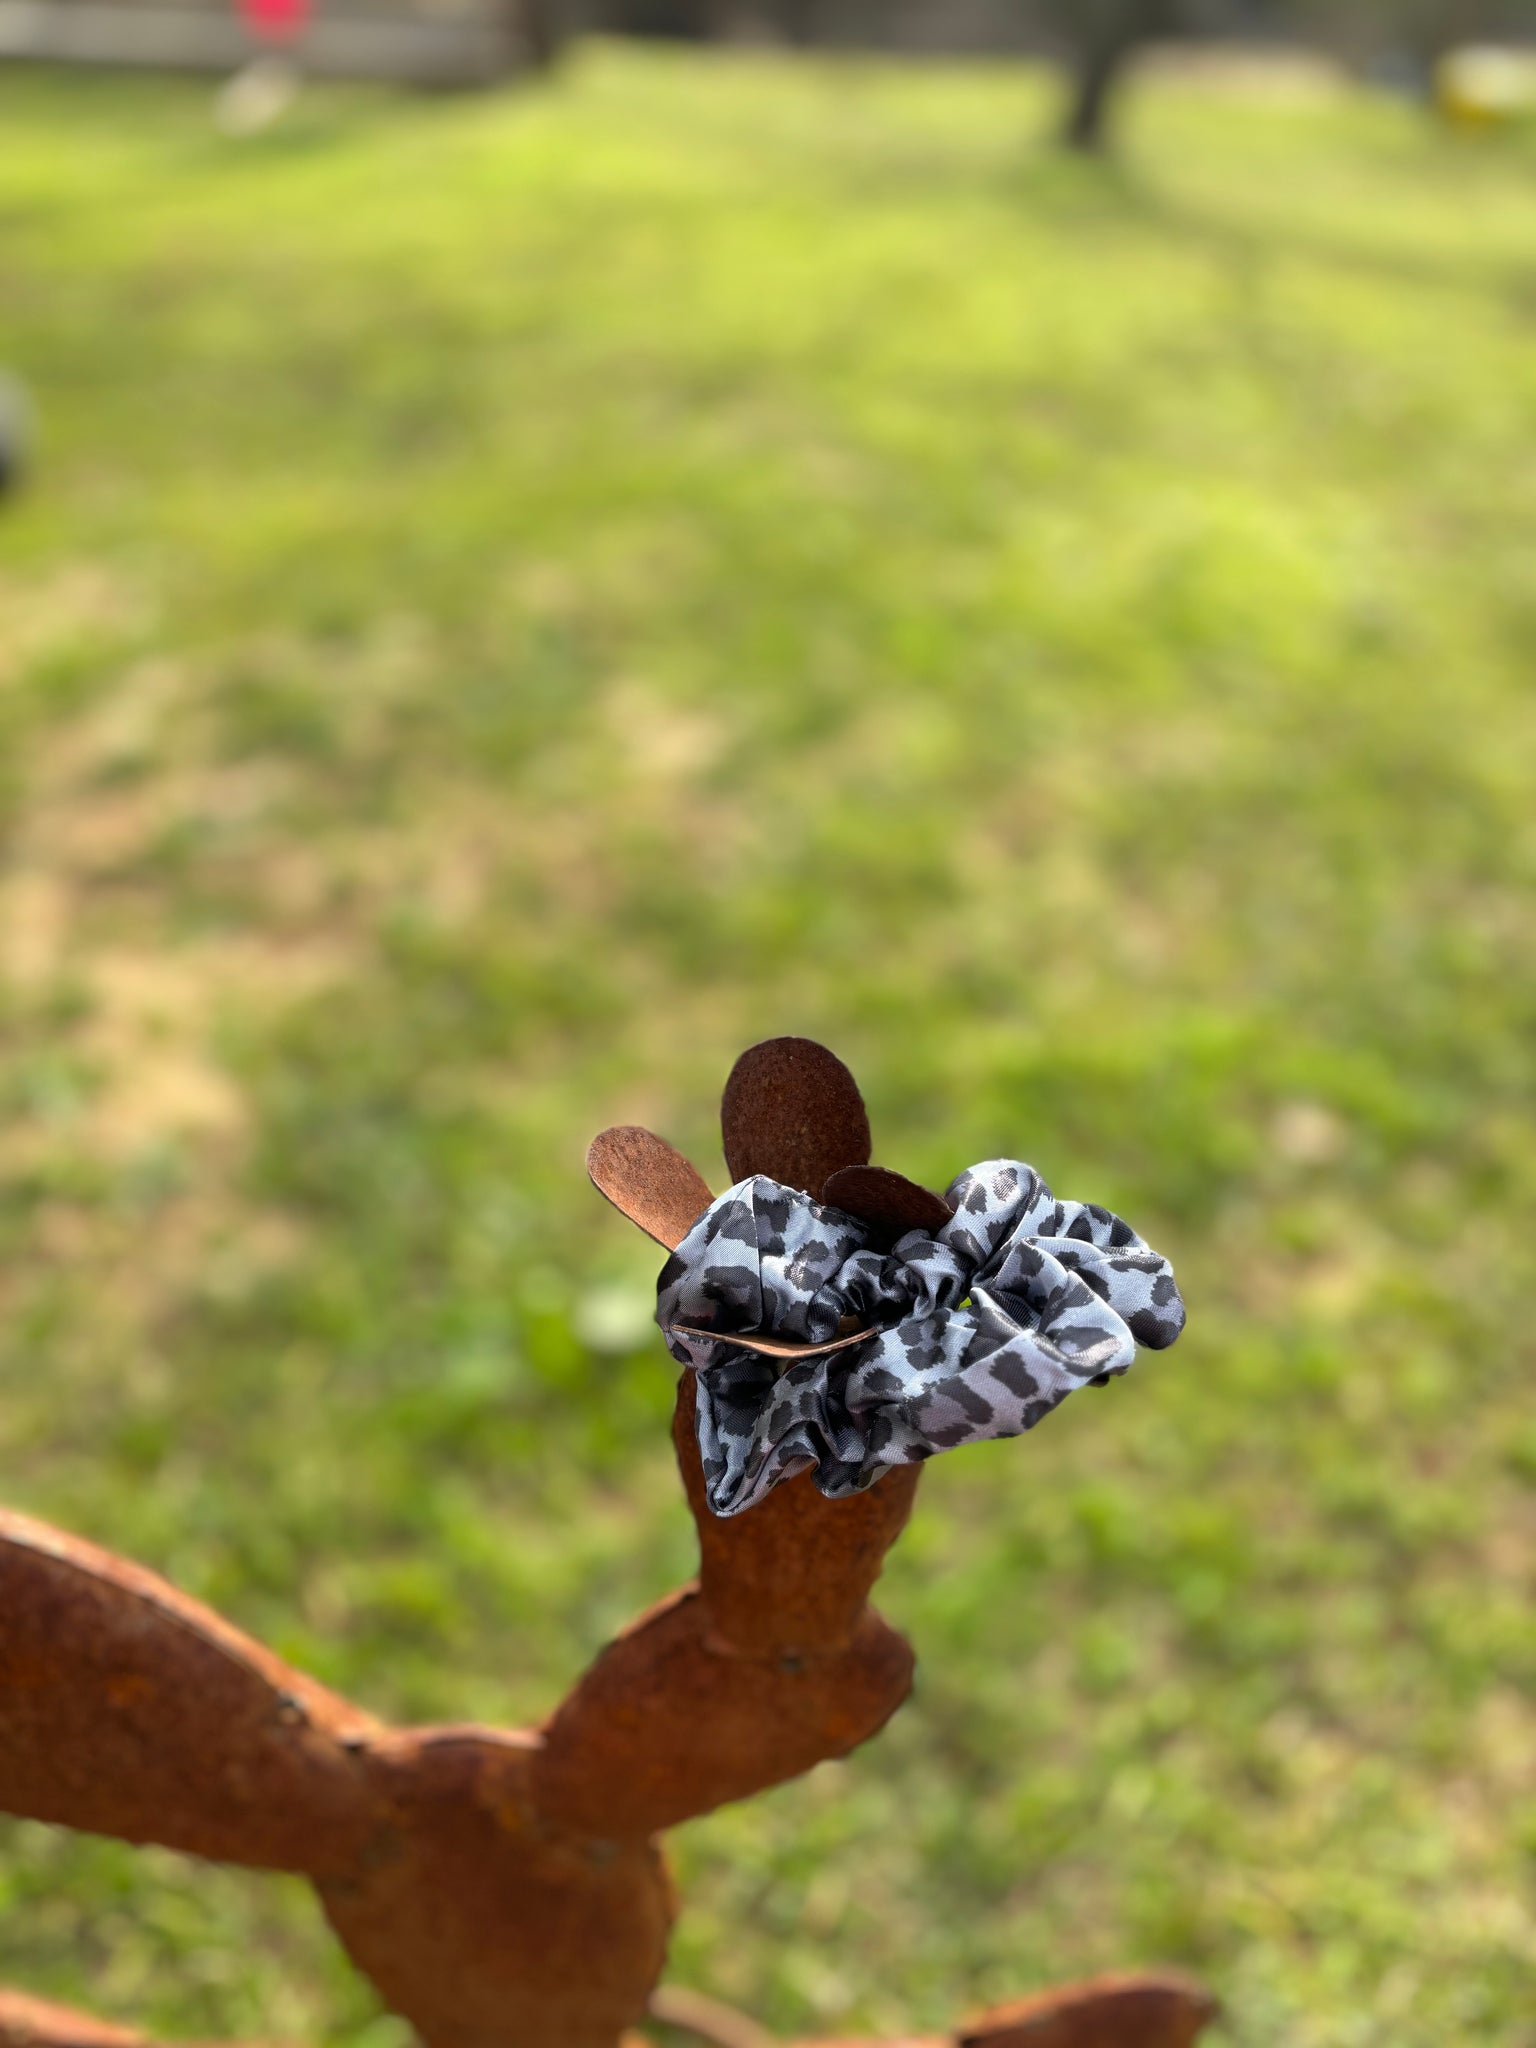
{"points": [[976, 1332]]}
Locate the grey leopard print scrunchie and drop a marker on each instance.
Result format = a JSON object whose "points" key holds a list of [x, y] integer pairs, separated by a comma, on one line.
{"points": [[976, 1332]]}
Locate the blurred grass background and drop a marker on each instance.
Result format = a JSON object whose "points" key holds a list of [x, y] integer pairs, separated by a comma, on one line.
{"points": [[522, 596]]}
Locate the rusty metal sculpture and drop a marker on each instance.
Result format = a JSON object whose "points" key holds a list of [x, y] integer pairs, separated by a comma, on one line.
{"points": [[504, 1889]]}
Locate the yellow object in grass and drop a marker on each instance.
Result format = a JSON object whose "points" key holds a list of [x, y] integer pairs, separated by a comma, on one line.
{"points": [[1486, 86]]}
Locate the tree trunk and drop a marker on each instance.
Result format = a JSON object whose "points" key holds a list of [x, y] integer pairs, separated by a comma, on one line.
{"points": [[1108, 34]]}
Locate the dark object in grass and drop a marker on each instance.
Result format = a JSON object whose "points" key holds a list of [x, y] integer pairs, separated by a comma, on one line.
{"points": [[502, 1888]]}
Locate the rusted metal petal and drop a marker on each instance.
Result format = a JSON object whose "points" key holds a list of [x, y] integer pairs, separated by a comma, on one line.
{"points": [[649, 1181], [791, 1576], [792, 1110], [484, 1926], [1156, 2009], [889, 1200], [774, 1347], [128, 1709], [666, 1725]]}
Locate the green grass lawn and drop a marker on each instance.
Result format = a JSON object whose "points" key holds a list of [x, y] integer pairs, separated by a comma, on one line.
{"points": [[523, 595]]}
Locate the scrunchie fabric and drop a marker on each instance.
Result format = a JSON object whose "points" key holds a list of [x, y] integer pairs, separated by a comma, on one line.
{"points": [[978, 1331]]}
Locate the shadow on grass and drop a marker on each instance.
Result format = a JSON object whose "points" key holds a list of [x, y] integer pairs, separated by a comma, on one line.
{"points": [[1119, 194]]}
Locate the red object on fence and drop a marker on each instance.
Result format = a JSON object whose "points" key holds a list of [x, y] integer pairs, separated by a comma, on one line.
{"points": [[275, 21]]}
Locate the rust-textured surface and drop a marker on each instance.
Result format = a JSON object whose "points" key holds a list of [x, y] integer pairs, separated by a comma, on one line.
{"points": [[649, 1181], [1152, 2009], [128, 1709], [888, 1200], [778, 1656], [792, 1110], [666, 1726], [486, 1924], [1161, 2009], [790, 1577], [504, 1889]]}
